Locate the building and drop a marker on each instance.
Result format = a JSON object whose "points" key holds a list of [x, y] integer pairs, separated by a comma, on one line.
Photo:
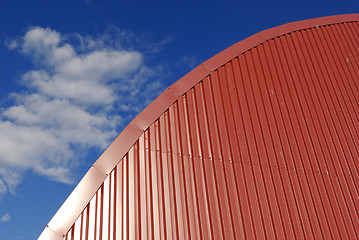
{"points": [[260, 141]]}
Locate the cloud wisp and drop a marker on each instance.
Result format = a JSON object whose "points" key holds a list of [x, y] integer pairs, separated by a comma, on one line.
{"points": [[5, 218], [75, 99]]}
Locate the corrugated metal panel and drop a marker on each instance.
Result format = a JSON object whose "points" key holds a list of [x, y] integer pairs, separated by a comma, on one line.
{"points": [[264, 146]]}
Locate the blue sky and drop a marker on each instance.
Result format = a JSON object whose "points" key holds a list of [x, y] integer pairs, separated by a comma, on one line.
{"points": [[73, 73]]}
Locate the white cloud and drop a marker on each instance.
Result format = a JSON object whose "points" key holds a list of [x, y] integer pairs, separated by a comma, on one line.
{"points": [[11, 178], [3, 188], [11, 44], [44, 46], [5, 218], [72, 102]]}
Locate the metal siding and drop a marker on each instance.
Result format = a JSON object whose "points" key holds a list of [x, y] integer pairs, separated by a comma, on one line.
{"points": [[265, 146]]}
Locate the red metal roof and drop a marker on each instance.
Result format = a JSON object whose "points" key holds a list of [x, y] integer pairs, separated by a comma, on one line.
{"points": [[260, 141]]}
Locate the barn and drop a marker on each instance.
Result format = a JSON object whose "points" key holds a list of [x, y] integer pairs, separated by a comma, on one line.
{"points": [[259, 142]]}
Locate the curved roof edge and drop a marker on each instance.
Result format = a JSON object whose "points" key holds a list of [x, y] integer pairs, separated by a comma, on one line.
{"points": [[85, 190]]}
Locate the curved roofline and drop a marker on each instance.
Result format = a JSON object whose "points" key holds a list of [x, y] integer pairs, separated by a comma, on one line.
{"points": [[85, 190]]}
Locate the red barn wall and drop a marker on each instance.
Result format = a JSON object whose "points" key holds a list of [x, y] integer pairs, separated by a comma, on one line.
{"points": [[264, 144]]}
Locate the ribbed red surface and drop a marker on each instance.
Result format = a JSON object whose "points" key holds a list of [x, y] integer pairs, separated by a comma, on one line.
{"points": [[266, 146]]}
